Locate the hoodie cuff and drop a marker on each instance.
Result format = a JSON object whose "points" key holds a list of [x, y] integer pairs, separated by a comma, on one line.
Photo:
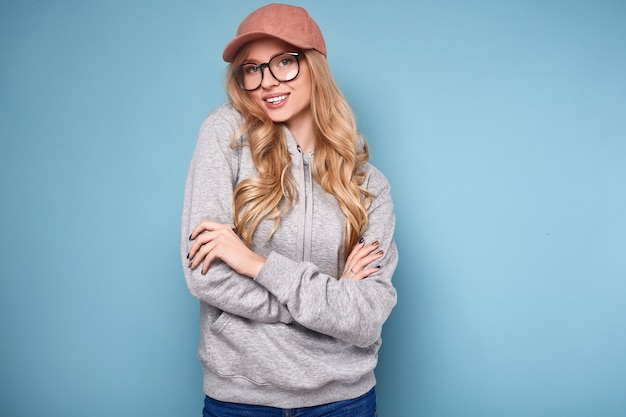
{"points": [[279, 276]]}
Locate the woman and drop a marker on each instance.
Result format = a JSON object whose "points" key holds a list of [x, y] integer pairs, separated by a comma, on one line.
{"points": [[287, 233]]}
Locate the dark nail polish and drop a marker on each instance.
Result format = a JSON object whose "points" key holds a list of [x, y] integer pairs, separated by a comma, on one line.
{"points": [[361, 240], [187, 255], [378, 266], [189, 237]]}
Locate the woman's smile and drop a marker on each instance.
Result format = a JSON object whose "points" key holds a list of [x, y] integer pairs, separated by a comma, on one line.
{"points": [[276, 100]]}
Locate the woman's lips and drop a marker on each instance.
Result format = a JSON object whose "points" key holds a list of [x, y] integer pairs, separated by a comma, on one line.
{"points": [[276, 100]]}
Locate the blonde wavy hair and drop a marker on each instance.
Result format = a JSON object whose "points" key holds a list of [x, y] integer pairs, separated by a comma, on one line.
{"points": [[339, 155]]}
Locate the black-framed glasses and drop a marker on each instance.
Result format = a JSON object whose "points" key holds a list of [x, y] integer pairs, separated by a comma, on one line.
{"points": [[283, 67]]}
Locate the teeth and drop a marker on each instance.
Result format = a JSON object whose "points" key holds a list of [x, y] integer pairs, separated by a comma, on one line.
{"points": [[275, 100]]}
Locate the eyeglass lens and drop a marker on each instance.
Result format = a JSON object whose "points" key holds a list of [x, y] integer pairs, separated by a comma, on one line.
{"points": [[283, 67]]}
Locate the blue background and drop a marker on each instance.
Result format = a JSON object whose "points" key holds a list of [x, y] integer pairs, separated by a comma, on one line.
{"points": [[500, 125]]}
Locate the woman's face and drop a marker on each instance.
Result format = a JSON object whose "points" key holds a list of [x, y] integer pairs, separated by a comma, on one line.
{"points": [[283, 102]]}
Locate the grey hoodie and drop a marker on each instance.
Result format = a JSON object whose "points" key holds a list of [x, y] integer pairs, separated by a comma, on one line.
{"points": [[296, 335]]}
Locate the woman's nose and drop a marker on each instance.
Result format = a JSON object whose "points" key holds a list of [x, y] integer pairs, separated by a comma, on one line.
{"points": [[268, 79]]}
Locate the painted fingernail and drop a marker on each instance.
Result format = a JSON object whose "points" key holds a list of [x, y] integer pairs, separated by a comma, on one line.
{"points": [[378, 266], [187, 255], [361, 240], [189, 237], [380, 252], [375, 243]]}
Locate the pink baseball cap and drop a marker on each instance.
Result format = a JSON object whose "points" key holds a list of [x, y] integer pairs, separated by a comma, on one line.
{"points": [[291, 24]]}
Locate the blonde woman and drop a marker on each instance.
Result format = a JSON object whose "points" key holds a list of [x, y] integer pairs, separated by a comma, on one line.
{"points": [[287, 233]]}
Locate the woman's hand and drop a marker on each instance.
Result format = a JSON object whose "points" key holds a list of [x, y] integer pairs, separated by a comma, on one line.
{"points": [[218, 241], [361, 256]]}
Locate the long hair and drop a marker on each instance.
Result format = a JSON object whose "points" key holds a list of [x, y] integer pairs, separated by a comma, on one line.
{"points": [[339, 155]]}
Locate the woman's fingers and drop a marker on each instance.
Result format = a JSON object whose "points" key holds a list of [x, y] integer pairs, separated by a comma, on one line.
{"points": [[203, 233], [364, 273], [355, 250], [199, 250], [206, 225], [205, 237], [213, 241], [360, 257]]}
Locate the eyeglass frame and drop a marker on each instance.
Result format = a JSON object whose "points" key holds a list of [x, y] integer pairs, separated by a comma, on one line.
{"points": [[239, 70]]}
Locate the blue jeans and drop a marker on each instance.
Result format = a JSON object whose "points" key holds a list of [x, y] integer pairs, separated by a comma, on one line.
{"points": [[363, 406]]}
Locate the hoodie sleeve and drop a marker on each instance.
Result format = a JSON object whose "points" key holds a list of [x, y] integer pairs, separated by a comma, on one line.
{"points": [[352, 311], [208, 195]]}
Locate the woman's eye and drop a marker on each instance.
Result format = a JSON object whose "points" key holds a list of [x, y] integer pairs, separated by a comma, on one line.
{"points": [[251, 69], [286, 61]]}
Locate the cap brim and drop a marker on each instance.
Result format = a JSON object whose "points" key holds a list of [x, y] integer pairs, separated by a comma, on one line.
{"points": [[238, 42]]}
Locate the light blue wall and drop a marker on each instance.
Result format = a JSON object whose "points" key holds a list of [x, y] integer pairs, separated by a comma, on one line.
{"points": [[501, 126]]}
